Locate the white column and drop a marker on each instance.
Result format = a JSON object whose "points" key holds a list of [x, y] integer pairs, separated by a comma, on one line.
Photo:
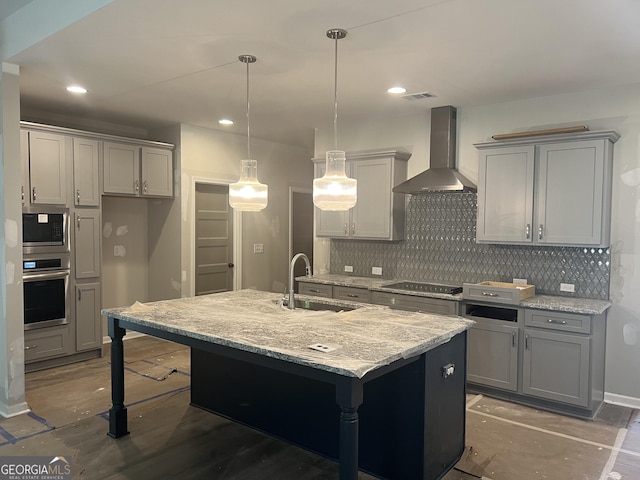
{"points": [[12, 396]]}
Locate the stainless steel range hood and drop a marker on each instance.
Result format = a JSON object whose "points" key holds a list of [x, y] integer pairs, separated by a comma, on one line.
{"points": [[442, 175]]}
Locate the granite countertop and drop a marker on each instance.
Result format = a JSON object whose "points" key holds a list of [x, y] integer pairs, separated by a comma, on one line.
{"points": [[366, 338], [588, 306]]}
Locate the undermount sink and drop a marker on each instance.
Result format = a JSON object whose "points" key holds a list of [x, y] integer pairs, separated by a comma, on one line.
{"points": [[320, 306]]}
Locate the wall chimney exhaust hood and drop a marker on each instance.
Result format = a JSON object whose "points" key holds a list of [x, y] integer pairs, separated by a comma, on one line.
{"points": [[442, 175]]}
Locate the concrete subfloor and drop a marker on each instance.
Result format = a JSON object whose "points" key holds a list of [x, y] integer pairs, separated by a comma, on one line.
{"points": [[170, 439]]}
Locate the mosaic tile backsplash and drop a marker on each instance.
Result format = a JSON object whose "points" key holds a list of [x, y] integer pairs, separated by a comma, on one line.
{"points": [[440, 247]]}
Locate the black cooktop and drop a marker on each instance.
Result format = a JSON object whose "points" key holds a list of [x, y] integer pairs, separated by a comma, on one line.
{"points": [[425, 287]]}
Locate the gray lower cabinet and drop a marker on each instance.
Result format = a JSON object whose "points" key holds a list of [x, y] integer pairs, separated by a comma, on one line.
{"points": [[46, 343], [88, 318], [353, 294], [315, 289], [550, 359], [416, 303], [492, 355]]}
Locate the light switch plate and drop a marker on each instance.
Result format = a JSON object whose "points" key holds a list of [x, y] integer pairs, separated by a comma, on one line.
{"points": [[520, 281], [258, 248], [348, 268], [376, 270]]}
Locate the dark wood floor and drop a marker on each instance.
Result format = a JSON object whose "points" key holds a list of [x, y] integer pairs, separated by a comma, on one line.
{"points": [[170, 439]]}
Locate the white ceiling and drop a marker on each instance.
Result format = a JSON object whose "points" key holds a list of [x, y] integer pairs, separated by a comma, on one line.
{"points": [[152, 62]]}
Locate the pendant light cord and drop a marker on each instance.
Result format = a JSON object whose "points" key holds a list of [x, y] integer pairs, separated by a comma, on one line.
{"points": [[335, 97], [248, 118]]}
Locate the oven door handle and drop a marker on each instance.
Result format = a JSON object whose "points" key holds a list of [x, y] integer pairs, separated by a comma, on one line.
{"points": [[31, 277]]}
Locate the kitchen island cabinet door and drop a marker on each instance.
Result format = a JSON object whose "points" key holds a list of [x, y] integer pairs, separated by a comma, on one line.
{"points": [[573, 180], [88, 318], [505, 195], [86, 187], [47, 168], [87, 243], [492, 357], [121, 168], [556, 366]]}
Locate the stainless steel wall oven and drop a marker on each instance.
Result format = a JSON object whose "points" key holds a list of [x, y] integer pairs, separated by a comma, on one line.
{"points": [[46, 286]]}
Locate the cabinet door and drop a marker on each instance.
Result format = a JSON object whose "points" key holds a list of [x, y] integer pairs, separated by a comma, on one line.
{"points": [[88, 319], [121, 169], [371, 216], [45, 343], [556, 366], [87, 243], [86, 189], [505, 195], [330, 224], [492, 355], [570, 183], [47, 168], [157, 172], [24, 162]]}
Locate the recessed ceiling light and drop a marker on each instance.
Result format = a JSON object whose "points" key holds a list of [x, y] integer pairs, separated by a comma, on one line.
{"points": [[76, 89], [397, 90], [225, 121]]}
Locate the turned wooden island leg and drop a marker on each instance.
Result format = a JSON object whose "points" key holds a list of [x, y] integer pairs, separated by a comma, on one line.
{"points": [[117, 412], [349, 398]]}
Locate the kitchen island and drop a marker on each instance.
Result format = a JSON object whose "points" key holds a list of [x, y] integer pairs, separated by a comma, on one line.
{"points": [[376, 389]]}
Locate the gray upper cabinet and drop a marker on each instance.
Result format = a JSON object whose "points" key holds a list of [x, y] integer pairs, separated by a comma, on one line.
{"points": [[554, 190], [379, 214], [47, 168], [137, 171], [86, 186]]}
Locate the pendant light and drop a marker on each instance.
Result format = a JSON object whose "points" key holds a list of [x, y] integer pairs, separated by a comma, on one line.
{"points": [[248, 194], [335, 191]]}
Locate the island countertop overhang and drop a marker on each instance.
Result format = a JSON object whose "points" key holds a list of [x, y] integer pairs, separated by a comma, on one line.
{"points": [[365, 339]]}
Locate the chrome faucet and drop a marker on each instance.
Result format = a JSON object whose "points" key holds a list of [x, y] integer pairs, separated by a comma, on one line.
{"points": [[291, 267]]}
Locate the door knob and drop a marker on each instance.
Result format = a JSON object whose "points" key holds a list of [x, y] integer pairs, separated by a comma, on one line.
{"points": [[231, 265]]}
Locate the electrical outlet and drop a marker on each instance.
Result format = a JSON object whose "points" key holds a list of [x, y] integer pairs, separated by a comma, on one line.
{"points": [[520, 281], [348, 268], [258, 248], [376, 270], [567, 287]]}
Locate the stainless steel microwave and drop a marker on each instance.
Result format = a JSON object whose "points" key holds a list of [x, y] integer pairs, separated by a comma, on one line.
{"points": [[45, 230]]}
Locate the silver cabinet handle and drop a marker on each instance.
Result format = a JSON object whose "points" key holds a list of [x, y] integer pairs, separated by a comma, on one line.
{"points": [[513, 339], [540, 230], [489, 294], [144, 186], [353, 229], [528, 231], [78, 220], [33, 194], [79, 295], [558, 322], [314, 290], [30, 347], [345, 229], [352, 295], [22, 193], [136, 186], [78, 197], [526, 342]]}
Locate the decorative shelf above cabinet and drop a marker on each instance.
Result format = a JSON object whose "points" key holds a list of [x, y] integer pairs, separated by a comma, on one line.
{"points": [[379, 214], [550, 190]]}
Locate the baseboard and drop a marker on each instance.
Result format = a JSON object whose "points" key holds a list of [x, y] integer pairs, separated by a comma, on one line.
{"points": [[128, 336], [622, 400], [8, 411]]}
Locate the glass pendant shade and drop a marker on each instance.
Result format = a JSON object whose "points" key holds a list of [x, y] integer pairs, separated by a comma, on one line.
{"points": [[248, 194], [335, 191]]}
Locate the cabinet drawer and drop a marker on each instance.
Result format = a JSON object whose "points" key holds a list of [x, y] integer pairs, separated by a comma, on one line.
{"points": [[353, 294], [410, 302], [317, 289], [567, 322], [46, 343]]}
